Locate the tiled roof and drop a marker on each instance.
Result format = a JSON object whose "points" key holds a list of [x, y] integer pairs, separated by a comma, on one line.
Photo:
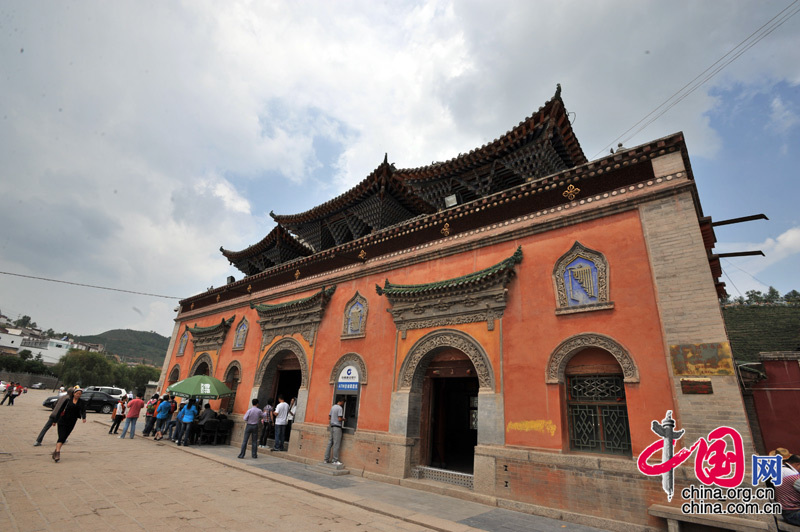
{"points": [[224, 324], [278, 236], [324, 293], [501, 269]]}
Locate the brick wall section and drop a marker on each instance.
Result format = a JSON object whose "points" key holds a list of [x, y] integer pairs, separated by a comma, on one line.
{"points": [[689, 308]]}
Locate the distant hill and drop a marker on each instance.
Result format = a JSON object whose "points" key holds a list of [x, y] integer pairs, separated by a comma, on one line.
{"points": [[132, 345], [756, 328]]}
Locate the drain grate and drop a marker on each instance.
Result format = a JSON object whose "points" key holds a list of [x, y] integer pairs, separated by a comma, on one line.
{"points": [[465, 480]]}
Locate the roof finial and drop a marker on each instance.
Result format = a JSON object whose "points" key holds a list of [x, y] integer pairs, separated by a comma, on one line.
{"points": [[558, 91], [386, 158]]}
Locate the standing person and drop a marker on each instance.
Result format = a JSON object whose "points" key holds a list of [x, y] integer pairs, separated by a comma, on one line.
{"points": [[67, 416], [336, 418], [172, 420], [9, 389], [281, 415], [787, 493], [134, 407], [189, 414], [150, 415], [119, 414], [53, 417], [252, 418], [208, 413], [290, 417], [179, 423], [266, 424], [162, 415], [15, 392]]}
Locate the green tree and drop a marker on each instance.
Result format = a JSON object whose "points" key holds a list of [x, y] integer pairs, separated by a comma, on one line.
{"points": [[140, 375], [772, 295], [25, 354], [739, 300], [36, 367], [792, 296], [754, 296], [85, 368], [12, 364], [25, 321]]}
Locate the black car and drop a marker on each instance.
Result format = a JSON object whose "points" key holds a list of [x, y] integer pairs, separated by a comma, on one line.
{"points": [[97, 401]]}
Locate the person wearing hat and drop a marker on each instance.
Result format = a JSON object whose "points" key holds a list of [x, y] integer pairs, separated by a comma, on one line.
{"points": [[162, 416], [66, 418]]}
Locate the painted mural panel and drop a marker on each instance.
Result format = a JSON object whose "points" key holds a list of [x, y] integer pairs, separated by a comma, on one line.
{"points": [[701, 359]]}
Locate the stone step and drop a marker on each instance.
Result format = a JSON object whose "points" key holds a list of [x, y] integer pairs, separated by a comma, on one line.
{"points": [[328, 469]]}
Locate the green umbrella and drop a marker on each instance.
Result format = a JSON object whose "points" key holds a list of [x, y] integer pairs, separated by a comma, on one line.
{"points": [[200, 386]]}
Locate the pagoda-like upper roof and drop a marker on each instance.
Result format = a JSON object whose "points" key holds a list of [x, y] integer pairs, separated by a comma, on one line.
{"points": [[379, 201], [541, 145], [277, 247], [313, 301], [223, 325]]}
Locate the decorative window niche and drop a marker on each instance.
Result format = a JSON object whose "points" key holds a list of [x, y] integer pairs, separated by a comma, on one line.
{"points": [[241, 334], [182, 345], [580, 278], [355, 317]]}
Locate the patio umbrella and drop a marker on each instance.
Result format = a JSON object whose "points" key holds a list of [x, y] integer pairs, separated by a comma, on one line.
{"points": [[200, 386]]}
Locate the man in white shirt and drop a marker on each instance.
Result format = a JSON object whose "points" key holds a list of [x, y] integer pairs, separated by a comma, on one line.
{"points": [[281, 415]]}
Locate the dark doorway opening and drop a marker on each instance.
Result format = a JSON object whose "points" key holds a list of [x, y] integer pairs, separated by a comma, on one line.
{"points": [[449, 430]]}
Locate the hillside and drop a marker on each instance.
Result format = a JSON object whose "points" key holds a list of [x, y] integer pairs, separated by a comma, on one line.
{"points": [[132, 345], [756, 328]]}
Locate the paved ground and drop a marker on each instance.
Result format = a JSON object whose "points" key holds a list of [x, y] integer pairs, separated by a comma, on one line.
{"points": [[104, 483]]}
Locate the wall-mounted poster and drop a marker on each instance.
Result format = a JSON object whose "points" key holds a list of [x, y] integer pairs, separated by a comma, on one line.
{"points": [[702, 359]]}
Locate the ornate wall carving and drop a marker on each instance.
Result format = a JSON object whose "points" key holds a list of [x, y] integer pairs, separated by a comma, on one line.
{"points": [[476, 297], [233, 365], [240, 337], [210, 338], [355, 317], [204, 357], [569, 347], [580, 278], [419, 356], [174, 373], [280, 348], [301, 316], [350, 359]]}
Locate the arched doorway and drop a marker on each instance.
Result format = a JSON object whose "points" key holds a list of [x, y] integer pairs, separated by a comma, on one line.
{"points": [[232, 378], [283, 371], [174, 375], [449, 420], [446, 398], [203, 365]]}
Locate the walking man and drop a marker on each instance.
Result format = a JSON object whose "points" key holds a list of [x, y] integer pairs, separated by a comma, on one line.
{"points": [[134, 407], [53, 417], [9, 389], [281, 415], [252, 418], [336, 418]]}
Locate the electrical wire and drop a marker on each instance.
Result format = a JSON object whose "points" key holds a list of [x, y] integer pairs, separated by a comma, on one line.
{"points": [[732, 283], [748, 273], [89, 285], [677, 97]]}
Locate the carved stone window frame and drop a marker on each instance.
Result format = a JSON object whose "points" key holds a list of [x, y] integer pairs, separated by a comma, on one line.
{"points": [[557, 363], [350, 359], [175, 367], [356, 299], [578, 250], [243, 322]]}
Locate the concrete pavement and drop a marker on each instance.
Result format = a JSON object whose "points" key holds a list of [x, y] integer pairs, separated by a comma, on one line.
{"points": [[104, 483]]}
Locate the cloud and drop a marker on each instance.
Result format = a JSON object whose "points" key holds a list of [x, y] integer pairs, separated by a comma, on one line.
{"points": [[137, 141]]}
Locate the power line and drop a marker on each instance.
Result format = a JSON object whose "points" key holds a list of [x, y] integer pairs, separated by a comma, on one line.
{"points": [[746, 272], [699, 80], [89, 285]]}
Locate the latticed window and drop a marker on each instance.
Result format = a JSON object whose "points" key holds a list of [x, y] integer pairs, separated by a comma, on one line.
{"points": [[241, 335], [598, 414]]}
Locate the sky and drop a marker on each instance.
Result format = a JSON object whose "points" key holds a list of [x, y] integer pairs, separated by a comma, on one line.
{"points": [[136, 138]]}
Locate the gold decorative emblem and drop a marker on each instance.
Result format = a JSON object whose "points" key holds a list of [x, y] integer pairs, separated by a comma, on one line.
{"points": [[297, 275], [249, 288], [446, 229], [191, 307], [571, 192], [362, 255], [217, 298]]}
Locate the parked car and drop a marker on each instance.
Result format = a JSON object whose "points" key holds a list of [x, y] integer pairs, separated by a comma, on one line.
{"points": [[97, 401], [3, 386], [113, 391], [37, 386]]}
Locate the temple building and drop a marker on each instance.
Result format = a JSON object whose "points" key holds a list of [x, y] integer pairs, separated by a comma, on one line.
{"points": [[504, 326]]}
